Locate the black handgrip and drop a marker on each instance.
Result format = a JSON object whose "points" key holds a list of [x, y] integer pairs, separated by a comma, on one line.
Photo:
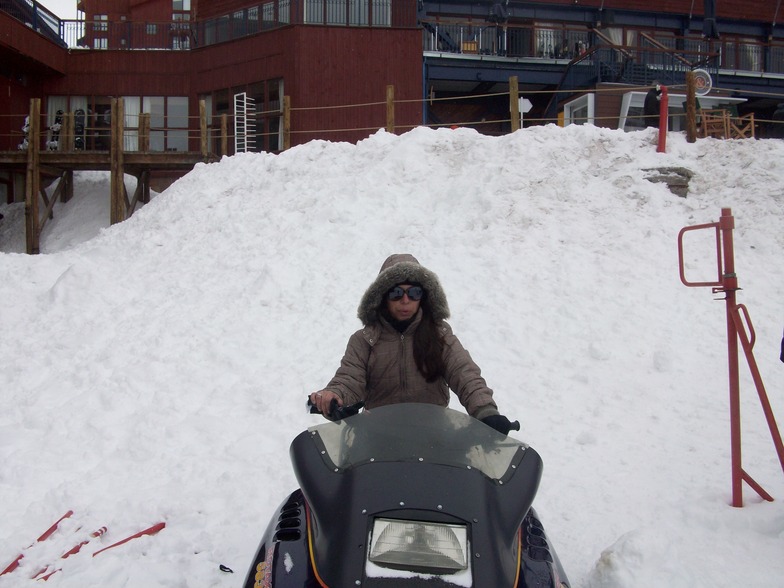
{"points": [[514, 426], [337, 412]]}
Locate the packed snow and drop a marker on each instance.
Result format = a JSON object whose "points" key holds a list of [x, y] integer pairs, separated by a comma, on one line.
{"points": [[156, 370]]}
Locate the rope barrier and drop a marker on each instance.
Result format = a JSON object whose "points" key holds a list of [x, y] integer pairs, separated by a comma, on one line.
{"points": [[191, 134]]}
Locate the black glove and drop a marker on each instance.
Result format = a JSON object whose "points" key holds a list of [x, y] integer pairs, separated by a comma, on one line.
{"points": [[501, 424]]}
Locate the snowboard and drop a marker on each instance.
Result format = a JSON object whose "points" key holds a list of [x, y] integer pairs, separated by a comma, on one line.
{"points": [[80, 119], [26, 130], [54, 143]]}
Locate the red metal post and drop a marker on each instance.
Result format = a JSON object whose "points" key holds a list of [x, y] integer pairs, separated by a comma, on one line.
{"points": [[727, 282], [729, 287], [664, 111]]}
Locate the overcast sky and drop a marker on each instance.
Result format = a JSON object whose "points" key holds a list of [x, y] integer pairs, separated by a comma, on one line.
{"points": [[62, 8]]}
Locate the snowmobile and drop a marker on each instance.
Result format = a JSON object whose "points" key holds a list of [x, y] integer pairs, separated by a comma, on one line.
{"points": [[408, 495]]}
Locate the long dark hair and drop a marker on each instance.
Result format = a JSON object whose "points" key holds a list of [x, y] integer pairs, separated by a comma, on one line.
{"points": [[429, 345]]}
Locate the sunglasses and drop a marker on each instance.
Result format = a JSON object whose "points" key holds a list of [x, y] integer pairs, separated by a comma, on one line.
{"points": [[414, 293]]}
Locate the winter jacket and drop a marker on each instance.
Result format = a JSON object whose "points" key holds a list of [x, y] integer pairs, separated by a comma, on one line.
{"points": [[378, 366]]}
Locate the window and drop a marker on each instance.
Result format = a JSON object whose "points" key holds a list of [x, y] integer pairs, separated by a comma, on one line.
{"points": [[336, 12], [579, 111], [267, 98], [284, 11], [382, 13], [177, 123], [358, 12], [101, 22], [168, 122], [268, 15], [314, 11]]}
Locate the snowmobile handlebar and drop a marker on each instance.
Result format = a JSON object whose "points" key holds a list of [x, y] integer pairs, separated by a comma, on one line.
{"points": [[337, 412]]}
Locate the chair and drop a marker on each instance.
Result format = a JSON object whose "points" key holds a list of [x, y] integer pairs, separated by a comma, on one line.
{"points": [[715, 123]]}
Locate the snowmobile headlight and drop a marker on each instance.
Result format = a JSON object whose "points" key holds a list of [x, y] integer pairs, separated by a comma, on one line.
{"points": [[426, 547]]}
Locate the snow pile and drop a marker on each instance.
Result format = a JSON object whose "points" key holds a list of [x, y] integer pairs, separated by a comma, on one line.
{"points": [[156, 371]]}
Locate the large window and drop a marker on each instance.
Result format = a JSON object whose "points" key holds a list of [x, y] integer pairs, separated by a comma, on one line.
{"points": [[348, 12], [168, 122], [93, 121], [267, 99]]}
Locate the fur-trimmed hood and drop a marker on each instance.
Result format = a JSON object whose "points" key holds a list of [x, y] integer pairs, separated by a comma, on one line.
{"points": [[402, 268]]}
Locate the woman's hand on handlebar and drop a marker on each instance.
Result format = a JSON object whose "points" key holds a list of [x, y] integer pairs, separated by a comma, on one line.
{"points": [[322, 400]]}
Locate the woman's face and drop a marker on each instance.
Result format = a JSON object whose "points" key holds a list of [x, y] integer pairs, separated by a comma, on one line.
{"points": [[403, 308]]}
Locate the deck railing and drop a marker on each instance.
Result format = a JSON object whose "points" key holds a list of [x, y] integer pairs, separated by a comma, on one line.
{"points": [[567, 43]]}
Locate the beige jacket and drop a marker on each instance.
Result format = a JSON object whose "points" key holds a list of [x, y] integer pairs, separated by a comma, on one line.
{"points": [[378, 367]]}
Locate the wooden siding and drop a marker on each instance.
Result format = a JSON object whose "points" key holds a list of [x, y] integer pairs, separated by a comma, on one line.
{"points": [[369, 60], [607, 105], [124, 73], [19, 42]]}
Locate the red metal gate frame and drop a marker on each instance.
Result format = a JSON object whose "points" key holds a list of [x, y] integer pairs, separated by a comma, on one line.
{"points": [[737, 322]]}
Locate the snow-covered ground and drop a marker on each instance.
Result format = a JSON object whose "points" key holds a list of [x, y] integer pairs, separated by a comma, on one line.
{"points": [[156, 371]]}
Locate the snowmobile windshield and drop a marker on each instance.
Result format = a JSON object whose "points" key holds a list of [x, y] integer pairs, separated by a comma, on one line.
{"points": [[418, 432]]}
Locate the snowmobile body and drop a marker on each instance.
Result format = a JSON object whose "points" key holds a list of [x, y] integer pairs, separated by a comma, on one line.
{"points": [[408, 495]]}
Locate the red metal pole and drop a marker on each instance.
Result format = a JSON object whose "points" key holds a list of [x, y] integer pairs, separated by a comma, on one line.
{"points": [[730, 286], [664, 111]]}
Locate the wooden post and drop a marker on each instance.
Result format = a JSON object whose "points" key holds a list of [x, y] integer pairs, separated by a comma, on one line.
{"points": [[117, 181], [66, 133], [33, 179], [390, 109], [224, 139], [68, 191], [691, 108], [203, 137], [144, 132], [286, 123], [514, 103]]}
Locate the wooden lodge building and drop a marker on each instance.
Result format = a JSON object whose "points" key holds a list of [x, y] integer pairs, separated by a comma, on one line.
{"points": [[333, 69]]}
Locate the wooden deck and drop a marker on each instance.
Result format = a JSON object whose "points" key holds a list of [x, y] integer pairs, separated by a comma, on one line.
{"points": [[37, 164], [58, 161]]}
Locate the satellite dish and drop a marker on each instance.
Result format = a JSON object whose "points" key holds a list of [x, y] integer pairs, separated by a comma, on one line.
{"points": [[702, 82]]}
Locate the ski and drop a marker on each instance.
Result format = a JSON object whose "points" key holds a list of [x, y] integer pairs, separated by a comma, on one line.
{"points": [[48, 533], [150, 531], [43, 575]]}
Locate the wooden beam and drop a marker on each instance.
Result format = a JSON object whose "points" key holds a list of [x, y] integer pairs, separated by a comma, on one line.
{"points": [[33, 183], [137, 194], [224, 134], [514, 103], [144, 132], [203, 130], [390, 109], [286, 123], [119, 196], [691, 108], [66, 142]]}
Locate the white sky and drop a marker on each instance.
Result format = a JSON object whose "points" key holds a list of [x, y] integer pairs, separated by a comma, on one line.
{"points": [[64, 9], [157, 370]]}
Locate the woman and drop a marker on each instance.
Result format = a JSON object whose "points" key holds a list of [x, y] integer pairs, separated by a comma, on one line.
{"points": [[406, 352]]}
